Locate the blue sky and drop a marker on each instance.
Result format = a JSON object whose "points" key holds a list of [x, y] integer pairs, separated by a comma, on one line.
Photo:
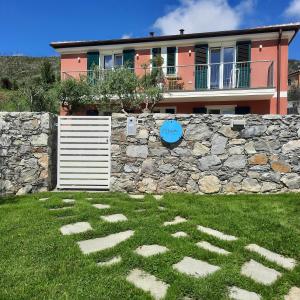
{"points": [[27, 27]]}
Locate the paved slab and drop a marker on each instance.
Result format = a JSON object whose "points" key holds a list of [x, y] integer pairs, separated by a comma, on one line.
{"points": [[218, 234], [177, 220], [61, 208], [179, 234], [158, 197], [209, 247], [236, 293], [161, 208], [285, 262], [101, 206], [294, 294], [110, 262], [99, 244], [89, 198], [114, 218], [259, 272], [148, 283], [194, 267], [68, 201], [43, 199], [137, 196], [150, 250], [78, 227]]}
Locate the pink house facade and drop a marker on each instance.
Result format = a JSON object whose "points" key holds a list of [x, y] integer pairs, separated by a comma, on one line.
{"points": [[226, 72]]}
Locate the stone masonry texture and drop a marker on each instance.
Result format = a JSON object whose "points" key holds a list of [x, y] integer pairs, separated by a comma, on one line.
{"points": [[27, 152], [212, 156]]}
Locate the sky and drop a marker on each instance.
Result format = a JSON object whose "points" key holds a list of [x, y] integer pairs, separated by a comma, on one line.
{"points": [[28, 26]]}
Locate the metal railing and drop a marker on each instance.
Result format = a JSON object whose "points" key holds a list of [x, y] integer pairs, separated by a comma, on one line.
{"points": [[218, 76]]}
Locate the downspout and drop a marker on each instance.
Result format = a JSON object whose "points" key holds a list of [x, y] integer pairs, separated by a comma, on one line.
{"points": [[279, 70]]}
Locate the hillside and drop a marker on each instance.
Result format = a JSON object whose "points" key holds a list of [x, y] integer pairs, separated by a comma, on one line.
{"points": [[19, 68]]}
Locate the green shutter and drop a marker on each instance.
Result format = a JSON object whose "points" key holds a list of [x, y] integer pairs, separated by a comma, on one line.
{"points": [[201, 67], [92, 63], [243, 57], [171, 60], [155, 52], [128, 58]]}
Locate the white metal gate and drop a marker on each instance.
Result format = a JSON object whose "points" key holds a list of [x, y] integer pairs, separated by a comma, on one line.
{"points": [[83, 160]]}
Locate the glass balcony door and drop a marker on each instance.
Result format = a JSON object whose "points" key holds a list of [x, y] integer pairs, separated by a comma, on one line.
{"points": [[215, 60]]}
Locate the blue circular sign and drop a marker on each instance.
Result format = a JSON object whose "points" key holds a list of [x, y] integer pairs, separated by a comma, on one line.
{"points": [[171, 131]]}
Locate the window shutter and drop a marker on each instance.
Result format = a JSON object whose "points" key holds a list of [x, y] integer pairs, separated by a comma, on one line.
{"points": [[128, 58], [92, 60], [171, 60], [243, 57], [242, 110], [201, 61], [199, 110]]}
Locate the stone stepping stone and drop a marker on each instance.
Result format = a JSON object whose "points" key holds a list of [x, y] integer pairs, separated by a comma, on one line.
{"points": [[114, 218], [68, 201], [294, 294], [101, 206], [236, 293], [99, 244], [161, 208], [259, 272], [208, 246], [218, 234], [177, 220], [194, 267], [78, 227], [43, 199], [136, 196], [158, 197], [148, 283], [140, 210], [179, 234], [89, 198], [150, 250], [285, 262], [110, 262], [60, 208]]}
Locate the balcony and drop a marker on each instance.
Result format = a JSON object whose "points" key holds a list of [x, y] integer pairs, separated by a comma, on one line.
{"points": [[252, 79]]}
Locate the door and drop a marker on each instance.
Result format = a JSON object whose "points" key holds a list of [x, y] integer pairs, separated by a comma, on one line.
{"points": [[215, 64], [83, 160]]}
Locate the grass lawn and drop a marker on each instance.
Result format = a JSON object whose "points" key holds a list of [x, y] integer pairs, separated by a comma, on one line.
{"points": [[38, 262]]}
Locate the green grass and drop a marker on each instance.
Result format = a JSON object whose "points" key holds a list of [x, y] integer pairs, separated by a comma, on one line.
{"points": [[37, 262]]}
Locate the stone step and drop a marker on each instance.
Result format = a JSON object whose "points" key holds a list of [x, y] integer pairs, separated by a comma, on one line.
{"points": [[110, 262], [101, 206], [43, 199], [158, 197], [259, 272], [218, 234], [209, 247], [148, 283], [136, 196], [179, 234], [107, 242], [236, 293], [294, 294], [285, 262], [150, 250], [74, 228], [114, 218], [68, 201], [177, 220]]}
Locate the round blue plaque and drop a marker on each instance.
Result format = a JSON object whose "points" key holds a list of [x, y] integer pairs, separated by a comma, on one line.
{"points": [[171, 131]]}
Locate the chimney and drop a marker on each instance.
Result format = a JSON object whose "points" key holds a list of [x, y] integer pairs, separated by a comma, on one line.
{"points": [[181, 31], [151, 33]]}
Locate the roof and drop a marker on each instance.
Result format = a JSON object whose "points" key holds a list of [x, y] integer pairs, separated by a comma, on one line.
{"points": [[294, 72], [264, 29]]}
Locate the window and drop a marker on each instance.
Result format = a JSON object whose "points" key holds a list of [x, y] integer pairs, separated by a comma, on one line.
{"points": [[199, 110], [165, 110], [171, 60], [108, 61], [221, 110], [118, 60]]}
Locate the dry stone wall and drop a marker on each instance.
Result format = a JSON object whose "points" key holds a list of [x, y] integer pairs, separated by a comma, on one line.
{"points": [[27, 152], [212, 157]]}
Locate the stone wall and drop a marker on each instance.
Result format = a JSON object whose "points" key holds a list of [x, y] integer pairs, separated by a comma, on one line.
{"points": [[27, 152], [211, 158]]}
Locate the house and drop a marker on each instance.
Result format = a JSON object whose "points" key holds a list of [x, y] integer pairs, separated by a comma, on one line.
{"points": [[225, 72], [294, 79]]}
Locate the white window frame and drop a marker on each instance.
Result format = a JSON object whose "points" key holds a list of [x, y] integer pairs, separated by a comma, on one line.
{"points": [[222, 108], [112, 53]]}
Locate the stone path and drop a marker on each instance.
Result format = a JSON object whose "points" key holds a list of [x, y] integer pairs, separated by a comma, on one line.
{"points": [[99, 244], [60, 208], [136, 196], [43, 199], [177, 220], [287, 263], [148, 283], [140, 210], [114, 218], [294, 294], [161, 208], [179, 234], [236, 293], [78, 227], [150, 250], [101, 206], [218, 234], [194, 267], [110, 262], [259, 272], [207, 246], [158, 197], [68, 201]]}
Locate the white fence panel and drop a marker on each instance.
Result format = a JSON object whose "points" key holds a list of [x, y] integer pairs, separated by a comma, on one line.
{"points": [[83, 152]]}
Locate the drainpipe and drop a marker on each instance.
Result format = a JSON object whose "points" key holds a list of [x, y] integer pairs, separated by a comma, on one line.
{"points": [[279, 70]]}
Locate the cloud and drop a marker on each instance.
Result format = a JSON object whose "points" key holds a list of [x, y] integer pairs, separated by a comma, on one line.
{"points": [[126, 35], [293, 10], [204, 15]]}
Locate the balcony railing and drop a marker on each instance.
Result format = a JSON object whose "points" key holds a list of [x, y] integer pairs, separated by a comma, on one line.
{"points": [[240, 75]]}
